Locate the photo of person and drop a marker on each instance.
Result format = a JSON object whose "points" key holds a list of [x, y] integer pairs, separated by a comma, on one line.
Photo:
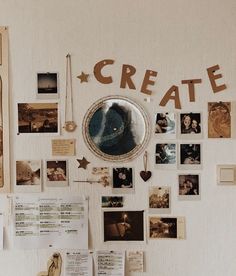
{"points": [[165, 123], [165, 154], [219, 120], [162, 227], [190, 154], [189, 186], [159, 199], [122, 178], [123, 225], [190, 123], [56, 173]]}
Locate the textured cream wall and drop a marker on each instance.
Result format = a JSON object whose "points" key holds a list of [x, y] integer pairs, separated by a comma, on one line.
{"points": [[179, 39]]}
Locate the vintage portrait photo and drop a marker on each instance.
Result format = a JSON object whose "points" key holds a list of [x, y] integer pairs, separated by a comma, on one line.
{"points": [[123, 180], [38, 118], [56, 173], [47, 85], [166, 227], [219, 120], [112, 201], [189, 186], [190, 156], [190, 125], [123, 225], [28, 176], [165, 124], [159, 199], [165, 155]]}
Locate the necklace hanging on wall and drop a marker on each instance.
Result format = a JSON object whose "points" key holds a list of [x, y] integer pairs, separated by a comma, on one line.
{"points": [[70, 125], [145, 175]]}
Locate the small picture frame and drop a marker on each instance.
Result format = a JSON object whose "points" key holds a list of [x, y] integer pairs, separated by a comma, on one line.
{"points": [[47, 85], [190, 125], [165, 155], [56, 173], [123, 226], [165, 125], [159, 199], [112, 201], [123, 180], [28, 176], [190, 156], [189, 187], [166, 227], [226, 174]]}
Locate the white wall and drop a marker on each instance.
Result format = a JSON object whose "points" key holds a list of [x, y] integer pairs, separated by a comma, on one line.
{"points": [[179, 39]]}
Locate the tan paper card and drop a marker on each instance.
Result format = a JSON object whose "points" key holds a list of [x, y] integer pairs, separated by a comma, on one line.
{"points": [[63, 147]]}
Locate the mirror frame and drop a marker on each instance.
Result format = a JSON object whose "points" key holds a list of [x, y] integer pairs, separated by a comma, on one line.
{"points": [[115, 158]]}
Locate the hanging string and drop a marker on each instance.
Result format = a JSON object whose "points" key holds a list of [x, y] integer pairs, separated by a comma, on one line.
{"points": [[145, 161], [69, 86]]}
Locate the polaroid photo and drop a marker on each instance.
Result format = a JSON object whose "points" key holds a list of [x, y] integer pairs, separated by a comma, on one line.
{"points": [[159, 199], [112, 201], [38, 118], [190, 156], [226, 174], [123, 226], [189, 187], [219, 120], [123, 180], [166, 227], [47, 85], [165, 125], [28, 176], [190, 125], [57, 173], [102, 174], [165, 156]]}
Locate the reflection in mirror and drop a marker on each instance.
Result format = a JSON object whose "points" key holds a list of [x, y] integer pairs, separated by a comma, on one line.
{"points": [[116, 129]]}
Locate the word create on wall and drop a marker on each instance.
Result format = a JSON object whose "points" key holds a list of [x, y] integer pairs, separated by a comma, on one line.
{"points": [[128, 71]]}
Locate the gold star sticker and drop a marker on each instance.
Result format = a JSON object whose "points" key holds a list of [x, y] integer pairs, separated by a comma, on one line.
{"points": [[83, 77], [83, 163]]}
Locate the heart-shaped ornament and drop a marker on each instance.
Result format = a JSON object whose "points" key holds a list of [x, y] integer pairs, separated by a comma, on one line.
{"points": [[145, 175]]}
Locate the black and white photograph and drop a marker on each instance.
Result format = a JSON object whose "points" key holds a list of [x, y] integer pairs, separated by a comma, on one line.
{"points": [[47, 85], [165, 124], [56, 173], [165, 155], [28, 176], [123, 180], [38, 118], [166, 227], [189, 186], [190, 156], [112, 201], [123, 225], [159, 199], [190, 125]]}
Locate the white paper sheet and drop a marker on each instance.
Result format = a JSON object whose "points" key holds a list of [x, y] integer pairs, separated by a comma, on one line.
{"points": [[110, 263], [42, 222], [78, 263], [135, 261]]}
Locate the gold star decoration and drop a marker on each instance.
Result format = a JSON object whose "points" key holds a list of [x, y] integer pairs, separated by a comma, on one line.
{"points": [[83, 163], [83, 77]]}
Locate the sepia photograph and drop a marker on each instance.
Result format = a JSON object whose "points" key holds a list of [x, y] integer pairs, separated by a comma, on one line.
{"points": [[190, 125], [189, 186], [123, 180], [190, 156], [165, 154], [159, 199], [28, 176], [47, 85], [219, 120], [123, 225], [57, 173], [112, 201], [38, 118], [165, 124], [166, 227], [102, 175]]}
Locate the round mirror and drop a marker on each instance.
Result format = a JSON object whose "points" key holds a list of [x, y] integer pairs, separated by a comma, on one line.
{"points": [[116, 128]]}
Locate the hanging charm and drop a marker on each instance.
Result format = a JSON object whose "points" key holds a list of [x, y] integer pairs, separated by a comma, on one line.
{"points": [[70, 125], [145, 175]]}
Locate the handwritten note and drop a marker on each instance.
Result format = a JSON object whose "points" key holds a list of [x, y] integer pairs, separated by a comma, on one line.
{"points": [[63, 147]]}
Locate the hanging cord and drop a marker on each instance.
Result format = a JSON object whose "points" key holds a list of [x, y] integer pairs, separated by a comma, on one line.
{"points": [[145, 161], [69, 86]]}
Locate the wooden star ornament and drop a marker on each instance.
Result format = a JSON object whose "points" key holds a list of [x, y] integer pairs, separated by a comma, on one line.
{"points": [[83, 163], [83, 77]]}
